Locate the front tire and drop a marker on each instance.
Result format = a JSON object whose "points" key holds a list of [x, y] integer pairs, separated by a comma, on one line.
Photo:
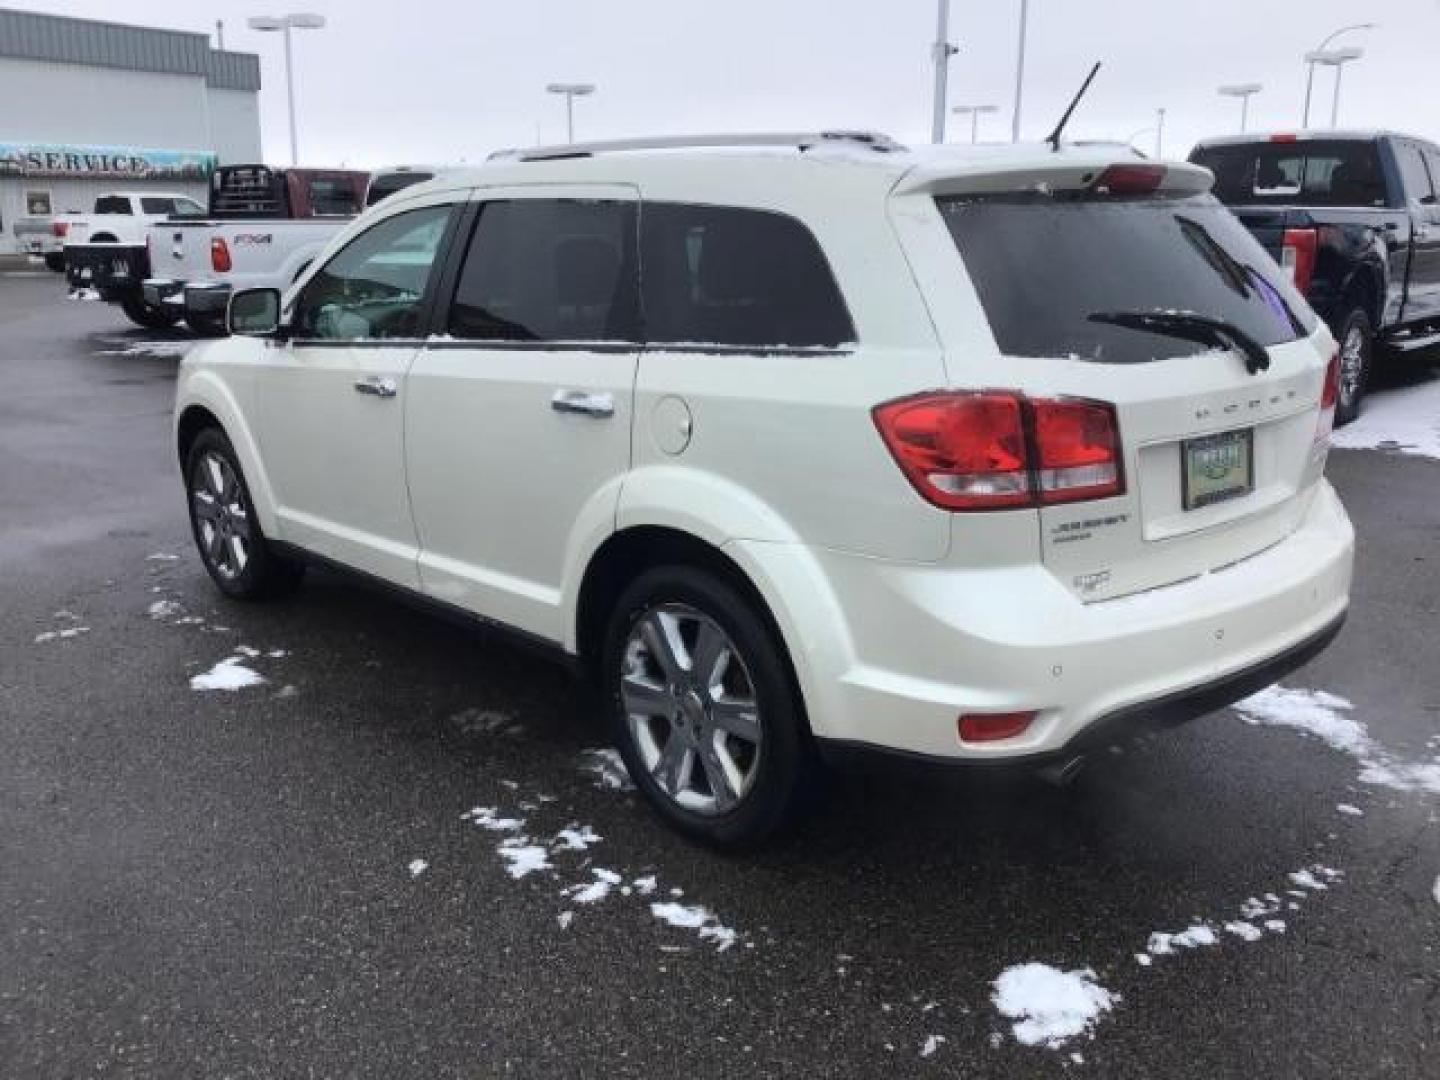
{"points": [[704, 708], [1357, 355], [143, 315], [226, 528]]}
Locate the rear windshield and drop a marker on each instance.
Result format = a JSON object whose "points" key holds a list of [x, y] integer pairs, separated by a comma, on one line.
{"points": [[1043, 264], [388, 184], [1334, 172], [112, 204]]}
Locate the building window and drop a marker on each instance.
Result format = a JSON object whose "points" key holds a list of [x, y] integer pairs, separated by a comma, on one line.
{"points": [[37, 204]]}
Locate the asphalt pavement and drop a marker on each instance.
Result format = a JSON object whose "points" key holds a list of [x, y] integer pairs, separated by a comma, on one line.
{"points": [[291, 880]]}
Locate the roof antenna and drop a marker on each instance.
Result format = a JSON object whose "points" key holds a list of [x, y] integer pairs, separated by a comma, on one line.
{"points": [[1054, 137]]}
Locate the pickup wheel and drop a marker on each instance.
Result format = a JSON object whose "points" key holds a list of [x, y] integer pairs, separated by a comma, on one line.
{"points": [[226, 528], [142, 314], [705, 709], [1357, 354], [55, 263]]}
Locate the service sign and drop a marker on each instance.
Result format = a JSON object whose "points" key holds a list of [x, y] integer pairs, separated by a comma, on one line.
{"points": [[103, 162]]}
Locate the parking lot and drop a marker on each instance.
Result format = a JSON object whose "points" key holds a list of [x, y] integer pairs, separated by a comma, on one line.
{"points": [[322, 874]]}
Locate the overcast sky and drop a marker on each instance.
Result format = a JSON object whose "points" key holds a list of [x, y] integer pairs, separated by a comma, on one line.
{"points": [[440, 80]]}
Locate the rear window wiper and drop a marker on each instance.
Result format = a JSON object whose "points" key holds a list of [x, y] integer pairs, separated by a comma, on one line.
{"points": [[1190, 326]]}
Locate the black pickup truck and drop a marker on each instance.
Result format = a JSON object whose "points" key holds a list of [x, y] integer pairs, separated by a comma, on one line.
{"points": [[1354, 217]]}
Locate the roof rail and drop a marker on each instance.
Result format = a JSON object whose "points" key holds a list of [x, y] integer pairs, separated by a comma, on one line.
{"points": [[869, 140]]}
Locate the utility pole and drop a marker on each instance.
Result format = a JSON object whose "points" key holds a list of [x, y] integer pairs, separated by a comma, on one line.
{"points": [[1020, 71], [943, 50], [1159, 134]]}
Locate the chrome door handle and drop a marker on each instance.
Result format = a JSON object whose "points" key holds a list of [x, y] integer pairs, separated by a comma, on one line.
{"points": [[376, 386], [583, 403]]}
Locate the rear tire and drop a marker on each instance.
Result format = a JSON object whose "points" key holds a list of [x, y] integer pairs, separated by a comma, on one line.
{"points": [[143, 315], [226, 528], [55, 263], [704, 708], [1357, 357]]}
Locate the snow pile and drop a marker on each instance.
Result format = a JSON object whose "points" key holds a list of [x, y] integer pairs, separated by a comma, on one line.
{"points": [[695, 917], [1049, 1006], [1322, 715], [607, 768], [1405, 420], [228, 674]]}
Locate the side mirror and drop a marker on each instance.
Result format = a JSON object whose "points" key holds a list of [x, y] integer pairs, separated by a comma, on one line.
{"points": [[254, 313]]}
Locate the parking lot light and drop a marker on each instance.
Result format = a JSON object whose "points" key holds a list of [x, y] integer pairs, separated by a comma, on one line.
{"points": [[1336, 58], [571, 92], [1310, 64], [286, 23], [1243, 91], [974, 111]]}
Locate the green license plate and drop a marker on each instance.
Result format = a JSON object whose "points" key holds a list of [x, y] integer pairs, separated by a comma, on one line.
{"points": [[1215, 468]]}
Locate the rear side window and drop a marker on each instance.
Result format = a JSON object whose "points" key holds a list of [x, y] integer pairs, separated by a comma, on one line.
{"points": [[735, 277], [112, 204], [1044, 264], [549, 270], [1311, 172], [333, 198], [1419, 187]]}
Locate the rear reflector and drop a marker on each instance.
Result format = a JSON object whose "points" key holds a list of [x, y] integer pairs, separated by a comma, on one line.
{"points": [[997, 449], [992, 727], [1297, 255], [1130, 179], [1331, 393]]}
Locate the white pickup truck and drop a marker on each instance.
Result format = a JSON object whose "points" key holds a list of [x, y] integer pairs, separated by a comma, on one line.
{"points": [[262, 229]]}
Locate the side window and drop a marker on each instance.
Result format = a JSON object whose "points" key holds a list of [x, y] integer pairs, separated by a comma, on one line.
{"points": [[189, 208], [549, 270], [1413, 174], [113, 204], [333, 198], [373, 287], [727, 276], [157, 206], [1432, 159]]}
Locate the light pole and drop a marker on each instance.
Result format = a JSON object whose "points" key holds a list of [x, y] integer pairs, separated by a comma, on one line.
{"points": [[1243, 91], [1310, 64], [974, 111], [1159, 134], [571, 92], [941, 52], [298, 21], [1336, 58], [1020, 71]]}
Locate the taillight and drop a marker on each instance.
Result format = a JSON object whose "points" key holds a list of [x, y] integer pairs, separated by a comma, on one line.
{"points": [[997, 449], [219, 255], [60, 228], [992, 727], [1297, 255], [1331, 393]]}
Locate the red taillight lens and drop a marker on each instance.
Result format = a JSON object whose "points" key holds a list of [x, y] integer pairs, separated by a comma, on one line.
{"points": [[1284, 137], [60, 228], [994, 450], [1297, 254], [1331, 393], [992, 727], [219, 255], [962, 451], [1078, 447], [1130, 179]]}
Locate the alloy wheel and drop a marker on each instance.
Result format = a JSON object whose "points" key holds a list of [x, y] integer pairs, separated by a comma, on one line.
{"points": [[691, 709], [1352, 364], [220, 516]]}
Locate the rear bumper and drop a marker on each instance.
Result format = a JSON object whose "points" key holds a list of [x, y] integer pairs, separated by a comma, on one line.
{"points": [[116, 270], [203, 301], [908, 649]]}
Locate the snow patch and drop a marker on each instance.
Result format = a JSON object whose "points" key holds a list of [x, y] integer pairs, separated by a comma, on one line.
{"points": [[1049, 1006], [1317, 713], [931, 1044], [1244, 931], [695, 917], [576, 838], [522, 857], [61, 635], [159, 349], [1352, 811], [418, 867], [228, 674], [487, 817], [595, 891], [1163, 944], [1405, 420]]}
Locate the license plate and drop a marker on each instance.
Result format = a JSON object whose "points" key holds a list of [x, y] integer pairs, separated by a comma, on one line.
{"points": [[1215, 468]]}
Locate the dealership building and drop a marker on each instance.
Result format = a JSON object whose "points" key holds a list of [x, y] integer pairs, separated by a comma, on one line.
{"points": [[92, 107]]}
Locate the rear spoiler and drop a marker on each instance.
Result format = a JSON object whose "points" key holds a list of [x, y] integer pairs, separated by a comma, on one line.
{"points": [[1070, 170]]}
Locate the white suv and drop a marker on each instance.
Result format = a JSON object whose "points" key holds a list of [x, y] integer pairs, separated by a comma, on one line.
{"points": [[814, 444]]}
